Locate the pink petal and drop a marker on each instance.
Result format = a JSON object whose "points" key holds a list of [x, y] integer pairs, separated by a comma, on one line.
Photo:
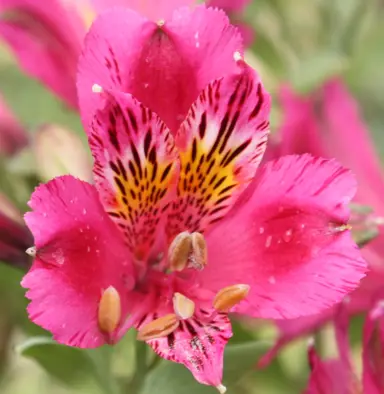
{"points": [[229, 5], [221, 144], [199, 345], [154, 10], [164, 67], [328, 377], [79, 254], [373, 351], [136, 164], [288, 241], [12, 135], [53, 35]]}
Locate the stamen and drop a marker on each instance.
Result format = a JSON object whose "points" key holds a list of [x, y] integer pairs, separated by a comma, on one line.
{"points": [[198, 259], [342, 228], [183, 306], [237, 56], [97, 88], [179, 251], [158, 328], [161, 22], [221, 388], [31, 251], [109, 313], [230, 296]]}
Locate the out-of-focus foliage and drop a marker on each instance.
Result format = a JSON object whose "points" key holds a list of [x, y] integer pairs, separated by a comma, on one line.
{"points": [[302, 42]]}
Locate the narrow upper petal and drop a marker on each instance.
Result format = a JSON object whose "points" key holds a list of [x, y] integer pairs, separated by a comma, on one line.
{"points": [[53, 35], [136, 164], [154, 10], [221, 144], [289, 241], [79, 254], [165, 66]]}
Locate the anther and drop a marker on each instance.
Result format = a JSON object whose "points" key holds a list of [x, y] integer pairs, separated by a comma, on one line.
{"points": [[230, 296], [198, 258], [183, 306], [97, 88], [343, 227], [179, 251], [109, 313], [161, 22], [237, 56], [221, 388], [31, 251], [158, 328]]}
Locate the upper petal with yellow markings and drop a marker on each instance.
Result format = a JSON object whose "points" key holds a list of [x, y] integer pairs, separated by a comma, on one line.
{"points": [[135, 166], [221, 143]]}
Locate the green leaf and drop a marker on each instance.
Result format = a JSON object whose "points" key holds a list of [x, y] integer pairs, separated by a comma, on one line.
{"points": [[312, 72], [172, 378], [67, 364]]}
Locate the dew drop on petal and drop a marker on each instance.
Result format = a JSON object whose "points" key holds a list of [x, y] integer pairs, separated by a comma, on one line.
{"points": [[84, 211], [45, 214], [272, 280], [288, 235], [261, 230]]}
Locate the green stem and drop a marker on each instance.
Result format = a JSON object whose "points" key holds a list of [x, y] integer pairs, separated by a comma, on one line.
{"points": [[141, 367]]}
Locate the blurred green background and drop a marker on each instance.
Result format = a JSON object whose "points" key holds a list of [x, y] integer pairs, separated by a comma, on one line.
{"points": [[304, 42]]}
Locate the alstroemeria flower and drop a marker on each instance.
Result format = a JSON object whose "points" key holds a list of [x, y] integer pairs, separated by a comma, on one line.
{"points": [[46, 40], [178, 231]]}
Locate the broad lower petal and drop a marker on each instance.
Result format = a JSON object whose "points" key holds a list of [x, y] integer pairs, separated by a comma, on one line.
{"points": [[154, 10], [199, 345], [221, 144], [165, 66], [136, 165], [79, 254], [289, 240], [53, 35]]}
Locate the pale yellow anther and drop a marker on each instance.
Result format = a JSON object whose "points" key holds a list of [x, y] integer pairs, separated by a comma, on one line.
{"points": [[198, 258], [343, 227], [221, 388], [179, 251], [97, 88], [109, 313], [237, 56], [230, 296], [31, 251], [158, 328], [161, 22], [183, 306]]}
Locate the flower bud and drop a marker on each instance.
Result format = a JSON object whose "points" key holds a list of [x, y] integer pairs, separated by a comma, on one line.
{"points": [[59, 151]]}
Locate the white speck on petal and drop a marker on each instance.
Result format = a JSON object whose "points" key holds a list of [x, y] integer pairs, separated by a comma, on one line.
{"points": [[237, 56], [261, 230], [288, 235], [272, 280], [84, 211], [97, 88], [268, 241]]}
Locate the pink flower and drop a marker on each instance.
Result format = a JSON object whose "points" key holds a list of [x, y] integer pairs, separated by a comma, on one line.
{"points": [[177, 231], [12, 135], [46, 40]]}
